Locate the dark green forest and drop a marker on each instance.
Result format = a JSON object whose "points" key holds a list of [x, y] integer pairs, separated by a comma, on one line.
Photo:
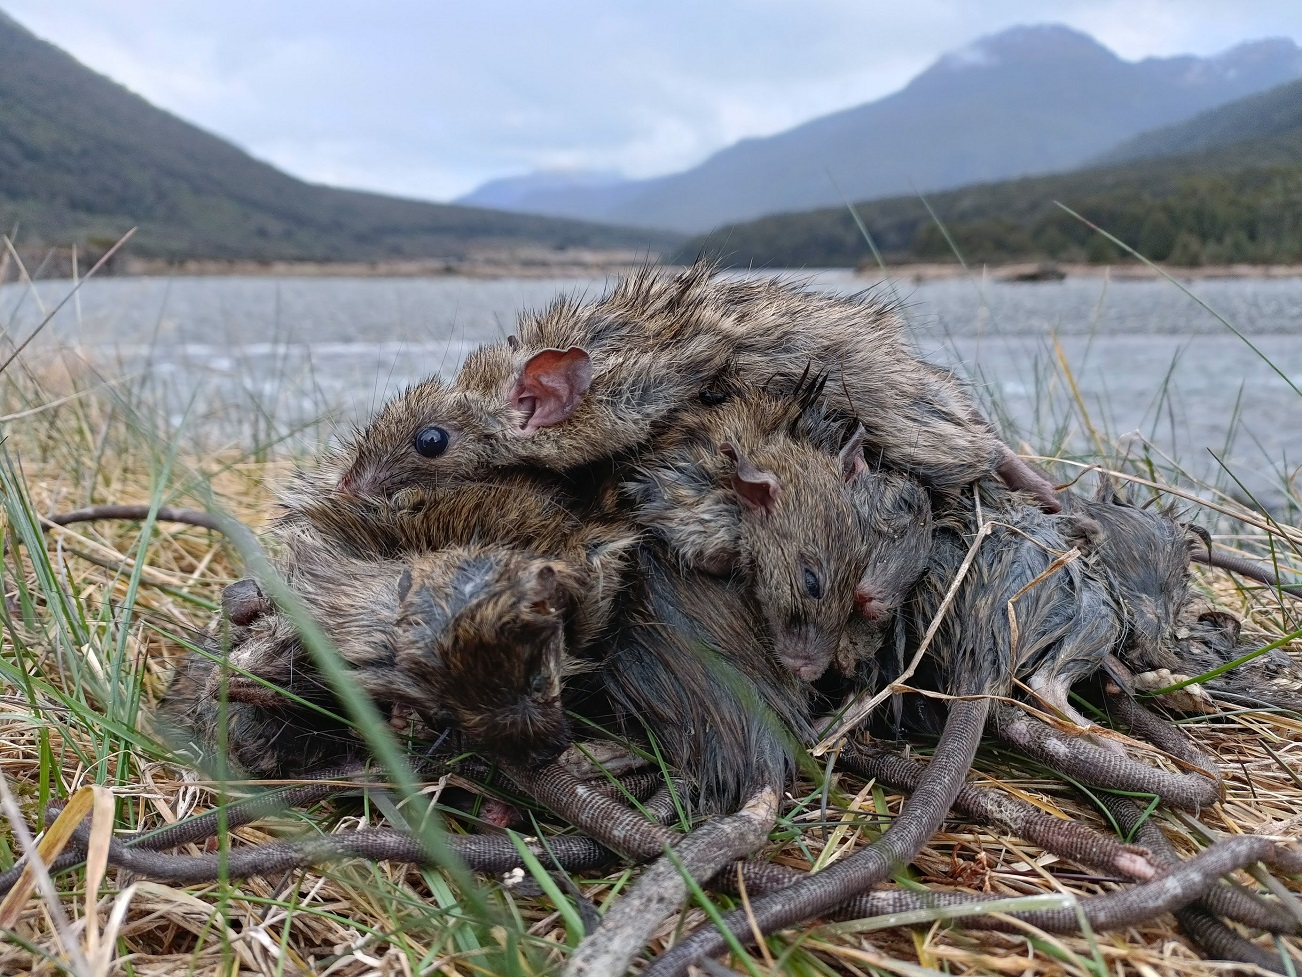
{"points": [[82, 159], [1221, 199], [1184, 219]]}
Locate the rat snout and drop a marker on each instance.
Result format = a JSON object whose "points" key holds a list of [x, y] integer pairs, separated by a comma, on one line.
{"points": [[528, 731], [806, 650]]}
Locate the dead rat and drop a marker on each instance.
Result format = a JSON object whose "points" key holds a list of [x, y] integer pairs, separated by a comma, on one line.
{"points": [[1045, 617], [895, 522], [1027, 609], [691, 664], [1143, 554], [516, 510], [587, 382], [219, 715], [1038, 588], [472, 637], [756, 490], [429, 592]]}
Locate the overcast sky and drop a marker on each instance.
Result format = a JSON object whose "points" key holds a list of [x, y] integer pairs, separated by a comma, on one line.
{"points": [[427, 98]]}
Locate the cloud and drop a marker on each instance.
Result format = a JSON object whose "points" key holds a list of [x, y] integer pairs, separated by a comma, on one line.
{"points": [[429, 99]]}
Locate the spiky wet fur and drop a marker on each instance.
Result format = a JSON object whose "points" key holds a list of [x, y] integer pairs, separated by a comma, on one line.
{"points": [[661, 340], [1144, 553], [691, 668], [1063, 621]]}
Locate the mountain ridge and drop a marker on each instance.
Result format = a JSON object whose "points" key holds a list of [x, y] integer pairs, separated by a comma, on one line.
{"points": [[1223, 202], [1273, 117], [1006, 104], [83, 157]]}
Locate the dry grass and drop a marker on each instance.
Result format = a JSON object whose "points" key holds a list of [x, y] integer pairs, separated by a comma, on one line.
{"points": [[94, 615]]}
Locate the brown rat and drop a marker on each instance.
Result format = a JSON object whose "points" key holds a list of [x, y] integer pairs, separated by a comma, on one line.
{"points": [[473, 637], [1026, 609], [895, 522], [515, 510], [590, 381], [756, 490], [217, 714], [427, 593]]}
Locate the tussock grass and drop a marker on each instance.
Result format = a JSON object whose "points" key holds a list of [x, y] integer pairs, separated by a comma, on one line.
{"points": [[94, 616]]}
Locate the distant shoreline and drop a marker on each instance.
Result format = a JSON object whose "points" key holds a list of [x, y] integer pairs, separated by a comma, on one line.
{"points": [[522, 263], [545, 263], [1040, 271]]}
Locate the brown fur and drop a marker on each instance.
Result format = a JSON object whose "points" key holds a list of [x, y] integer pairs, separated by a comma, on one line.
{"points": [[217, 713], [471, 636], [515, 510], [895, 523], [658, 342], [787, 528]]}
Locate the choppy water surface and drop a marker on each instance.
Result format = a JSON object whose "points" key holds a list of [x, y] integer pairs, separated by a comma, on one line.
{"points": [[1144, 356]]}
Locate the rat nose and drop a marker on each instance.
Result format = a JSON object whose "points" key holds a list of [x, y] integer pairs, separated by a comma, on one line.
{"points": [[806, 650], [870, 606]]}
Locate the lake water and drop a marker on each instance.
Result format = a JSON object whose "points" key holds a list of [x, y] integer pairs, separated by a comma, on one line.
{"points": [[1144, 356]]}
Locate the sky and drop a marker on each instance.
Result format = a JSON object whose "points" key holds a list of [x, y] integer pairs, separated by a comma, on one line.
{"points": [[429, 98]]}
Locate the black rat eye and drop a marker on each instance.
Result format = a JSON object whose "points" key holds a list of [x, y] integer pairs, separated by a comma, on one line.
{"points": [[813, 586], [431, 441]]}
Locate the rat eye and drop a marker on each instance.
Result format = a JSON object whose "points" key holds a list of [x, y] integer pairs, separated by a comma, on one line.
{"points": [[431, 441], [813, 586], [539, 684]]}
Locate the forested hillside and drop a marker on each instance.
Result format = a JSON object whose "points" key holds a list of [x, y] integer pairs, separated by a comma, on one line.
{"points": [[82, 159], [1226, 201]]}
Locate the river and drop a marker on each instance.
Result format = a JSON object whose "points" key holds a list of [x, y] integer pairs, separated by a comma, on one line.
{"points": [[1151, 364]]}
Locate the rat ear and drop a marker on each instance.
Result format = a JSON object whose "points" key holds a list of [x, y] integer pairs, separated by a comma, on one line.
{"points": [[551, 386], [547, 590], [851, 456], [758, 490], [1082, 532]]}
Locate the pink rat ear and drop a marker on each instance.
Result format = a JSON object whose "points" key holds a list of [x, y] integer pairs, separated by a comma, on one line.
{"points": [[551, 386], [758, 490], [851, 456]]}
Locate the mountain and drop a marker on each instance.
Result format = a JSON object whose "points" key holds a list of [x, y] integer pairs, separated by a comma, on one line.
{"points": [[1256, 129], [1225, 203], [551, 190], [1028, 100], [83, 158]]}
